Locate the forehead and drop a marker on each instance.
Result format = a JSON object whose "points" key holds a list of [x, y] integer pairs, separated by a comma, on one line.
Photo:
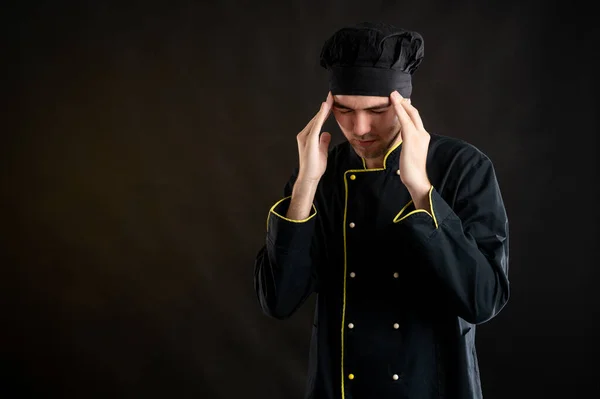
{"points": [[360, 102]]}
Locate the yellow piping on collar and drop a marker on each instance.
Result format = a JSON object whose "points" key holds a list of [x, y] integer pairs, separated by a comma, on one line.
{"points": [[384, 158]]}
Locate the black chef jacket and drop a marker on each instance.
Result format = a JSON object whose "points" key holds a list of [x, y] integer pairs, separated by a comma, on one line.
{"points": [[399, 290]]}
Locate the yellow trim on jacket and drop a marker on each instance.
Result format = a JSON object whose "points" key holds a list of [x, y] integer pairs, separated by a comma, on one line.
{"points": [[272, 210], [400, 218]]}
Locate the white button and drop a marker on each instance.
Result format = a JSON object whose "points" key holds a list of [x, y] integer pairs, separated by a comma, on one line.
{"points": [[395, 377], [351, 326], [352, 274], [396, 275], [398, 172], [351, 225], [396, 326]]}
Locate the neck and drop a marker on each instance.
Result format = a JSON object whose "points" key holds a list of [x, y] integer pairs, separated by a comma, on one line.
{"points": [[374, 163]]}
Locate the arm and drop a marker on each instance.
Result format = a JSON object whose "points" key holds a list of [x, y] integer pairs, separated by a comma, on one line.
{"points": [[467, 246], [284, 273], [284, 270]]}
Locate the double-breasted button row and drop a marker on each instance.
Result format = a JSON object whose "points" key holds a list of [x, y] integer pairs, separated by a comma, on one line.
{"points": [[395, 325], [353, 177], [352, 275], [395, 377], [351, 224], [351, 326]]}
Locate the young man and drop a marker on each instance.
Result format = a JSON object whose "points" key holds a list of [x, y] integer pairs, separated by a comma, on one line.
{"points": [[402, 234]]}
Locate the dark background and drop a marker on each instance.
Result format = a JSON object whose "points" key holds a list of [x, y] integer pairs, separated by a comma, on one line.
{"points": [[144, 142]]}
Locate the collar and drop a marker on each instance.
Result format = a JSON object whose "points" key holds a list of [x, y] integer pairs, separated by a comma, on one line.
{"points": [[390, 160]]}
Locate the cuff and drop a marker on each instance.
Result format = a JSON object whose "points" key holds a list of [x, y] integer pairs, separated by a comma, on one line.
{"points": [[439, 211], [289, 233]]}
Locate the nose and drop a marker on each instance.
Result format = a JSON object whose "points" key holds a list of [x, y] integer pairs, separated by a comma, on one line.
{"points": [[361, 123]]}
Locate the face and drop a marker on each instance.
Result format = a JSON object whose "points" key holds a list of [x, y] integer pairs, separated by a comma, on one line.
{"points": [[369, 123]]}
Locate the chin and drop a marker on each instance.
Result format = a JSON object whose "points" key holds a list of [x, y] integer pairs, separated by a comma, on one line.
{"points": [[369, 153]]}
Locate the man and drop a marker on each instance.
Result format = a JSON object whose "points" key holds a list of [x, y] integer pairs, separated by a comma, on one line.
{"points": [[402, 234]]}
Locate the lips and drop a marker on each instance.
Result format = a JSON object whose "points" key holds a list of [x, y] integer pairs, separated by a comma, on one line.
{"points": [[365, 143]]}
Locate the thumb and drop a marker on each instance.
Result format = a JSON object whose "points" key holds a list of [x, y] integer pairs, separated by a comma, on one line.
{"points": [[324, 141]]}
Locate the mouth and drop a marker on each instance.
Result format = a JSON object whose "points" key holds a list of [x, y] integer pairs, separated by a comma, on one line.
{"points": [[365, 143]]}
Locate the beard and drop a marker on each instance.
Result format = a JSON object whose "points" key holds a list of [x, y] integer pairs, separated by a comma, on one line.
{"points": [[380, 147]]}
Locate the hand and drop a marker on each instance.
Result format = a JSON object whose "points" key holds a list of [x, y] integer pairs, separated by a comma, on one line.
{"points": [[313, 146], [415, 145]]}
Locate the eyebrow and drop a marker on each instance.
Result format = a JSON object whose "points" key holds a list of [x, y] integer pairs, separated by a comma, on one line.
{"points": [[378, 106]]}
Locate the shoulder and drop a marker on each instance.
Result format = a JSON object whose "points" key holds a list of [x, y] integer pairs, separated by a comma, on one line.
{"points": [[454, 152]]}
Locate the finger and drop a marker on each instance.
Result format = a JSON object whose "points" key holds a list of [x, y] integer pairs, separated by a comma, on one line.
{"points": [[413, 113], [325, 110], [320, 119], [307, 129], [324, 141], [309, 126], [403, 117]]}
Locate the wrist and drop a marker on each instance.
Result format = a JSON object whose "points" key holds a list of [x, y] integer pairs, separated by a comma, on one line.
{"points": [[305, 187], [303, 195], [420, 195]]}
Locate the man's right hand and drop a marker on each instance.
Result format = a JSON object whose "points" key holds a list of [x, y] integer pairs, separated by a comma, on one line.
{"points": [[312, 150], [313, 146]]}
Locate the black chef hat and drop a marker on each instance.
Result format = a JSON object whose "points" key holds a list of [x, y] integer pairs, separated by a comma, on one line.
{"points": [[372, 59]]}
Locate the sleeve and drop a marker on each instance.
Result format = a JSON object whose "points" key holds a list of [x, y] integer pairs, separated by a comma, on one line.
{"points": [[284, 271], [466, 245]]}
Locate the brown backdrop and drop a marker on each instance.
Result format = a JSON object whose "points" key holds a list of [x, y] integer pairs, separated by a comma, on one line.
{"points": [[143, 145]]}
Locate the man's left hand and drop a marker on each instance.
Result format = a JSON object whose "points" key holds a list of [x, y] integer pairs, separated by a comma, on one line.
{"points": [[413, 156]]}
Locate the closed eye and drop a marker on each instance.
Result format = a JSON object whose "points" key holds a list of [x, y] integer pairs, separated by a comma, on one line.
{"points": [[372, 110]]}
